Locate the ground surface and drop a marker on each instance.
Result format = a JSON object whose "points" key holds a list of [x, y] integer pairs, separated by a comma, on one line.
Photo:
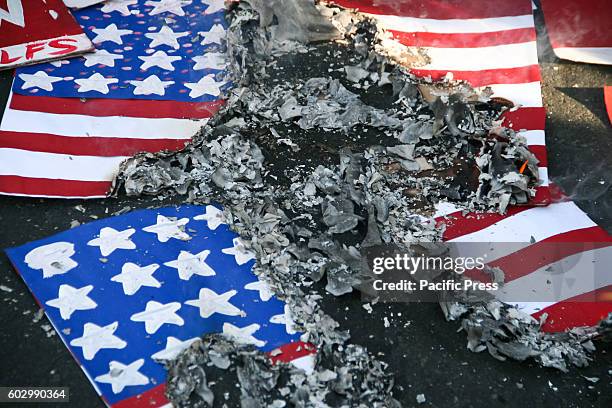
{"points": [[425, 352]]}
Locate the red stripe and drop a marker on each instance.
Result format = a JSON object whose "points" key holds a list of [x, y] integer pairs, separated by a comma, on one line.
{"points": [[52, 187], [458, 225], [540, 153], [465, 40], [519, 75], [86, 146], [546, 252], [578, 23], [608, 101], [441, 9], [587, 309], [116, 107], [153, 398], [292, 351], [525, 118], [542, 197]]}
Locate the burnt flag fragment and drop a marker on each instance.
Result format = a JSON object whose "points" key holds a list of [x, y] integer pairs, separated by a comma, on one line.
{"points": [[128, 292]]}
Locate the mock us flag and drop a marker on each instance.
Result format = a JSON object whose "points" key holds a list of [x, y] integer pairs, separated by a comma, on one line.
{"points": [[487, 43], [127, 292], [156, 76]]}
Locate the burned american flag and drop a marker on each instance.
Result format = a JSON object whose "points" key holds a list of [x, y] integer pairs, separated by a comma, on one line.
{"points": [[127, 292], [156, 76]]}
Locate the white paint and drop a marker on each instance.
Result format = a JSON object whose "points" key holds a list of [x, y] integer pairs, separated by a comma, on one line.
{"points": [[71, 299], [239, 251], [168, 6], [151, 85], [166, 229], [214, 6], [210, 60], [159, 59], [121, 6], [157, 314], [110, 239], [216, 35], [53, 259], [110, 33], [205, 86], [95, 83], [120, 376], [13, 14], [213, 217], [265, 293], [40, 79], [188, 264], [16, 162], [173, 348], [285, 318], [210, 302], [133, 277], [243, 335], [165, 36], [102, 57], [96, 338]]}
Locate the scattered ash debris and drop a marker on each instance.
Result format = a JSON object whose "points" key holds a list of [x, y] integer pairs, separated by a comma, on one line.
{"points": [[327, 146], [216, 362]]}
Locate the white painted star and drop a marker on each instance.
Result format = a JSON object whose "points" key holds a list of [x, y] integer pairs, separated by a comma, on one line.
{"points": [[205, 86], [52, 259], [216, 35], [213, 217], [210, 303], [96, 338], [101, 57], [243, 335], [110, 239], [96, 82], [157, 314], [120, 375], [170, 6], [166, 228], [122, 6], [151, 86], [265, 293], [159, 59], [286, 319], [133, 277], [110, 33], [165, 36], [70, 299], [210, 60], [214, 6], [188, 265], [240, 252], [40, 79], [174, 347]]}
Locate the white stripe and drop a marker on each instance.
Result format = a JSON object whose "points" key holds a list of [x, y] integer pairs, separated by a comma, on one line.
{"points": [[89, 126], [539, 223], [543, 175], [481, 58], [593, 55], [534, 137], [453, 26], [444, 208], [528, 94], [16, 162], [305, 363], [572, 276]]}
